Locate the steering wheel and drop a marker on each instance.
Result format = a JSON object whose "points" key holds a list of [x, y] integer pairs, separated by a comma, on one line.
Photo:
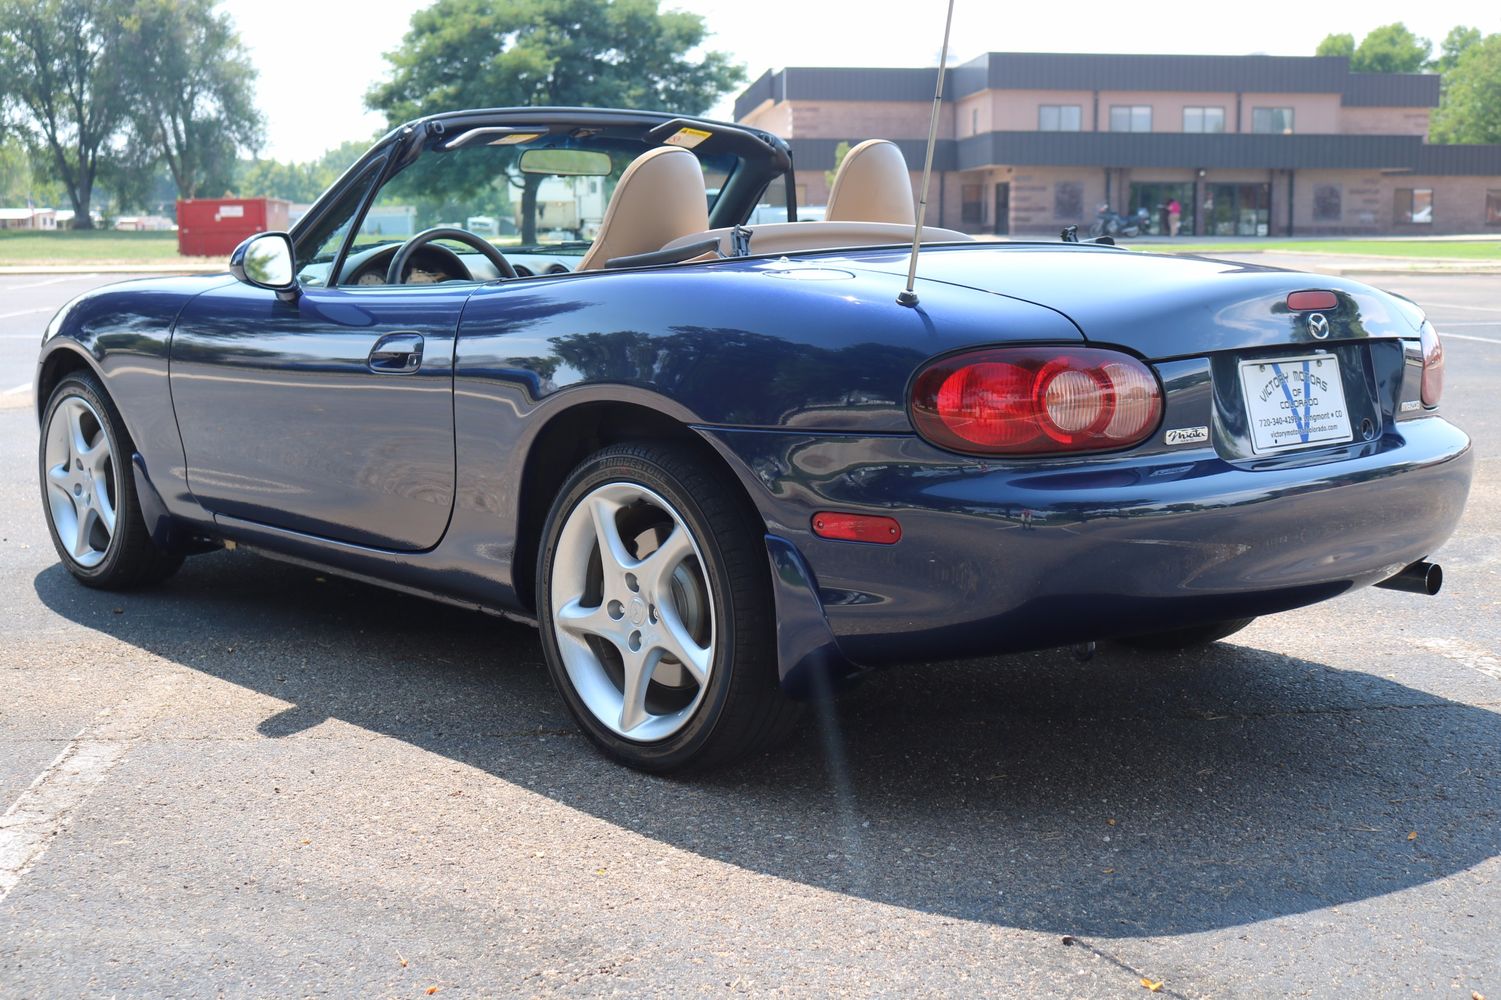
{"points": [[486, 249]]}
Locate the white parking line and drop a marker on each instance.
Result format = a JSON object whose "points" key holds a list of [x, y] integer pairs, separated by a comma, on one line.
{"points": [[1461, 336], [50, 281], [48, 806], [1475, 657], [1456, 305], [27, 312], [16, 390]]}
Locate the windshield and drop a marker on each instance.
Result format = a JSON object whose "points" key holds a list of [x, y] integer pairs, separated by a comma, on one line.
{"points": [[519, 188]]}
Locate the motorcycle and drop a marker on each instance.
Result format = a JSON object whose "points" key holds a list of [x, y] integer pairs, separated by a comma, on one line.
{"points": [[1109, 223]]}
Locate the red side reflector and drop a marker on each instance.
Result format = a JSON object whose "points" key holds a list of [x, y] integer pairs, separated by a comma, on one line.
{"points": [[1313, 301], [857, 527]]}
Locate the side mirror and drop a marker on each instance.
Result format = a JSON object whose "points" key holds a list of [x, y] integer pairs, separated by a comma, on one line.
{"points": [[265, 260]]}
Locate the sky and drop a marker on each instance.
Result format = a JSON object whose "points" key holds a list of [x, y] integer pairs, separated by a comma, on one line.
{"points": [[313, 76]]}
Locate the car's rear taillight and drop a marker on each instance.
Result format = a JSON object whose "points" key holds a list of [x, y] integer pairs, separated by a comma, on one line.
{"points": [[1433, 365], [1036, 401]]}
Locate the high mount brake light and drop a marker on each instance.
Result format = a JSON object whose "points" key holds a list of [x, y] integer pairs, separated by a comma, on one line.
{"points": [[1036, 401], [1312, 300], [1433, 365]]}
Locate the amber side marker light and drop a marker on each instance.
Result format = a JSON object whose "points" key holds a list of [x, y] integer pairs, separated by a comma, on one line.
{"points": [[857, 527], [1312, 301]]}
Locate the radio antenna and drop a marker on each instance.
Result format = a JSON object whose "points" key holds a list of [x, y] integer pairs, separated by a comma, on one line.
{"points": [[909, 296]]}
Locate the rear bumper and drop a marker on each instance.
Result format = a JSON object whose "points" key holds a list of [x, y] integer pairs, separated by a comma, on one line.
{"points": [[999, 557]]}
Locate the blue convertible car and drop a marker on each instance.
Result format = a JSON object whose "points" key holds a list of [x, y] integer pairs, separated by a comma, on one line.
{"points": [[722, 467]]}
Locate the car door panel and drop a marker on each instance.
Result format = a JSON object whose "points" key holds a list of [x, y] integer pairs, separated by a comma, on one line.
{"points": [[331, 415]]}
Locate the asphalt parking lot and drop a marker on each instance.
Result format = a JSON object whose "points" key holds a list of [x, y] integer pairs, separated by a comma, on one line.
{"points": [[260, 781]]}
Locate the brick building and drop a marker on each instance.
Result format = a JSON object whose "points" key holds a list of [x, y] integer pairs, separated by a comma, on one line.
{"points": [[1247, 145]]}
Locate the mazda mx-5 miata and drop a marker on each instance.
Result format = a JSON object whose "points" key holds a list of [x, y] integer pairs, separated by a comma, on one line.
{"points": [[724, 468]]}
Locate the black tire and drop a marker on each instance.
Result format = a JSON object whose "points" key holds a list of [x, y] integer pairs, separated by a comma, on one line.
{"points": [[742, 709], [1187, 638], [130, 558]]}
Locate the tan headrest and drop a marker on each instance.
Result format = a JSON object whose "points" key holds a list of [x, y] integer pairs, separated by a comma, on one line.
{"points": [[872, 186], [660, 197]]}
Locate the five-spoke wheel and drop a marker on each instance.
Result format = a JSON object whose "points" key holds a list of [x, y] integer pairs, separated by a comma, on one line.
{"points": [[654, 595], [81, 480], [632, 615], [88, 490]]}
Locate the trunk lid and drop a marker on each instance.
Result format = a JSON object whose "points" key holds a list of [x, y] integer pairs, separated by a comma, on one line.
{"points": [[1160, 306]]}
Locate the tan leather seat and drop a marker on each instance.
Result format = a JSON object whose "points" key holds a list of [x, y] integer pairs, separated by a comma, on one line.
{"points": [[873, 185], [659, 198]]}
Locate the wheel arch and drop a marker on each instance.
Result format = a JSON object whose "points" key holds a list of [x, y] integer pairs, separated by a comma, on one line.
{"points": [[573, 434], [59, 363]]}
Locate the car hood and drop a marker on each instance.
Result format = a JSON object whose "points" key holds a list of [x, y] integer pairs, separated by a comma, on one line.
{"points": [[1160, 306]]}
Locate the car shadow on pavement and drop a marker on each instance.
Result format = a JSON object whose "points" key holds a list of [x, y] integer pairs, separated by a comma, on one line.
{"points": [[1127, 795]]}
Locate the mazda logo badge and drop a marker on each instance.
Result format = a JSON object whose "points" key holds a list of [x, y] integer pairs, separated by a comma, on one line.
{"points": [[1318, 325]]}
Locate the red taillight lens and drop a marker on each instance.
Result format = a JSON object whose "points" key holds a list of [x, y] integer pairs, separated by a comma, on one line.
{"points": [[1036, 401], [1433, 365]]}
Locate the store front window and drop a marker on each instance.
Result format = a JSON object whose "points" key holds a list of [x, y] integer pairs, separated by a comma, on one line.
{"points": [[1415, 205], [1237, 209], [1158, 199]]}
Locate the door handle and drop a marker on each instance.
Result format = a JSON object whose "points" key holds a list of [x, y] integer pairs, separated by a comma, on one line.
{"points": [[396, 354]]}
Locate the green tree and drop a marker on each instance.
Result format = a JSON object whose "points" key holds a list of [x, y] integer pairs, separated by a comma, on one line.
{"points": [[1471, 107], [1337, 45], [840, 152], [62, 62], [594, 53], [1454, 45], [298, 182], [192, 88], [1391, 48], [19, 182]]}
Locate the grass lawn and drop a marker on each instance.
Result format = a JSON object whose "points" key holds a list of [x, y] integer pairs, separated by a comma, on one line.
{"points": [[93, 247], [1487, 250]]}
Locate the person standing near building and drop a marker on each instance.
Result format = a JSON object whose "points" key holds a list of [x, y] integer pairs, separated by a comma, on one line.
{"points": [[1174, 217]]}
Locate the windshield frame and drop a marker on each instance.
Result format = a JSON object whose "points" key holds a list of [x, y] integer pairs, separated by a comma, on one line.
{"points": [[762, 159]]}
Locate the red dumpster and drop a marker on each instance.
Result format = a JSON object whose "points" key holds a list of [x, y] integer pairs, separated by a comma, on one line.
{"points": [[212, 227]]}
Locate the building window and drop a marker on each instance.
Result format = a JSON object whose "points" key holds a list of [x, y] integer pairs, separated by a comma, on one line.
{"points": [[1203, 119], [1059, 117], [1493, 207], [1272, 121], [1130, 118], [974, 121], [1327, 203], [973, 201], [1068, 201], [1415, 205]]}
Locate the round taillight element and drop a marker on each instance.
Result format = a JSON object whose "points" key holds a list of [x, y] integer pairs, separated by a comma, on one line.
{"points": [[1137, 401], [1072, 401], [1036, 401], [1433, 365], [989, 403]]}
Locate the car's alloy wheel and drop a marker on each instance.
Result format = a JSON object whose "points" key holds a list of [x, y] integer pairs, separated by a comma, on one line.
{"points": [[654, 600], [88, 491], [632, 615], [81, 479]]}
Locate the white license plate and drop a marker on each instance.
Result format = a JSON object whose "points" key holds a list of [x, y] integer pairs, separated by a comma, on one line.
{"points": [[1294, 402]]}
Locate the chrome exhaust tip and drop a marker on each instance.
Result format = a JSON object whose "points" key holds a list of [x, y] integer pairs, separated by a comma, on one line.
{"points": [[1422, 577]]}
